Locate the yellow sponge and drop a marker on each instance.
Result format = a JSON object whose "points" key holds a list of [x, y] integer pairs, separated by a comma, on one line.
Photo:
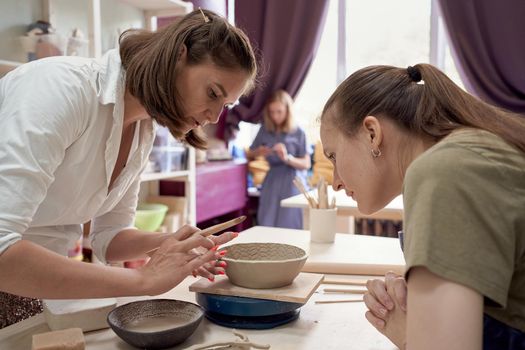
{"points": [[66, 339]]}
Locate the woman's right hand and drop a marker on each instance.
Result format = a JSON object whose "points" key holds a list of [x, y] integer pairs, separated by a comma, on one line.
{"points": [[262, 151], [175, 259], [379, 301]]}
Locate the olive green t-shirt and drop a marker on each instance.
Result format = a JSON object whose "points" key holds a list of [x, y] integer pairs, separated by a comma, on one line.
{"points": [[464, 201]]}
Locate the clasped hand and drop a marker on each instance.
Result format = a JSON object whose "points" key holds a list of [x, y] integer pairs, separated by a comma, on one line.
{"points": [[386, 301], [281, 151], [182, 254]]}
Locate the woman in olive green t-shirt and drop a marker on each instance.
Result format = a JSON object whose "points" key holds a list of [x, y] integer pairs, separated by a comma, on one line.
{"points": [[460, 164]]}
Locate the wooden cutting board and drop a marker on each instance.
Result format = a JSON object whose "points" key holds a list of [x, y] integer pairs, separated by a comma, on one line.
{"points": [[302, 288], [348, 254]]}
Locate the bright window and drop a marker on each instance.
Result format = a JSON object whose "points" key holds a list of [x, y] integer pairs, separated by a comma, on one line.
{"points": [[387, 32], [377, 32], [395, 33]]}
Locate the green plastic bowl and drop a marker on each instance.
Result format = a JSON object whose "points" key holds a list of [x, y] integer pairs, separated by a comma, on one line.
{"points": [[149, 216]]}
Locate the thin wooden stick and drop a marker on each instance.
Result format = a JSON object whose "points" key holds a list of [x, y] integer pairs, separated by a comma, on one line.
{"points": [[211, 230], [344, 290], [310, 198], [301, 188], [339, 301], [345, 282]]}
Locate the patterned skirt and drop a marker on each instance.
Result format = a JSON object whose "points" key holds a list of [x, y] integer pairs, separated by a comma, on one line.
{"points": [[14, 308]]}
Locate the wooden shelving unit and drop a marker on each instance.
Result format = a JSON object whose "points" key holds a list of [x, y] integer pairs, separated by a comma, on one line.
{"points": [[173, 175], [151, 9], [151, 180]]}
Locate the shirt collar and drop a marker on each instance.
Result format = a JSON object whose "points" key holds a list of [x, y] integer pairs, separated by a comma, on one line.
{"points": [[110, 77]]}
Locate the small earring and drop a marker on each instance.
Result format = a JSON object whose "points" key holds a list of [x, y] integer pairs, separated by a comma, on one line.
{"points": [[375, 153]]}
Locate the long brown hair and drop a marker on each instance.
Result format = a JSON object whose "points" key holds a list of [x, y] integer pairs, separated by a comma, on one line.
{"points": [[423, 100], [150, 60], [288, 124]]}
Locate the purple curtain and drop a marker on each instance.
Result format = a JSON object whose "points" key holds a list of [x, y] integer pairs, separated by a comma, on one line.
{"points": [[488, 42], [286, 34]]}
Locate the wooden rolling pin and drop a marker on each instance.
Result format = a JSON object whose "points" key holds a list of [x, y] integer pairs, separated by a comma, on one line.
{"points": [[351, 268], [211, 230]]}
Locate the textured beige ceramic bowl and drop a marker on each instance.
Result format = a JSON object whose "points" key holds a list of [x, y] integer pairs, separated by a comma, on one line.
{"points": [[263, 265]]}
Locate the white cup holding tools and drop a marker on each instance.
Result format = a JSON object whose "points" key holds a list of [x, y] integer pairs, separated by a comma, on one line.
{"points": [[323, 225]]}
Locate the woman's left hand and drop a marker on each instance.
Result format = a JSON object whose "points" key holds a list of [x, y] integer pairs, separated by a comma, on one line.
{"points": [[386, 301], [280, 150], [216, 267], [208, 270]]}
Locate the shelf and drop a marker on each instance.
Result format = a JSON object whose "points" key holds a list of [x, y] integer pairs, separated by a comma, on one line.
{"points": [[164, 176]]}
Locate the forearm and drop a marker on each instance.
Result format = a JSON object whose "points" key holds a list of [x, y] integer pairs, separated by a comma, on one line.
{"points": [[302, 163], [29, 270], [133, 244]]}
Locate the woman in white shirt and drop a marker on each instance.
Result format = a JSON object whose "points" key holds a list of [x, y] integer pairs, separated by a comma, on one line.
{"points": [[76, 134]]}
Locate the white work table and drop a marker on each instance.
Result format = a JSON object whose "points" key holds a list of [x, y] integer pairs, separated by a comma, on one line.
{"points": [[319, 326], [346, 207]]}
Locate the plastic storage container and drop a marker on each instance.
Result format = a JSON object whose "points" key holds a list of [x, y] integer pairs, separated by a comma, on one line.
{"points": [[166, 159], [168, 154]]}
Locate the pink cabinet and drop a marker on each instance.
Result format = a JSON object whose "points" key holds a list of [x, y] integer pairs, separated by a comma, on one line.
{"points": [[221, 188]]}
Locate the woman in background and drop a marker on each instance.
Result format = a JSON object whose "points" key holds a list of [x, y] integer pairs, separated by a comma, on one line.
{"points": [[284, 146], [460, 165]]}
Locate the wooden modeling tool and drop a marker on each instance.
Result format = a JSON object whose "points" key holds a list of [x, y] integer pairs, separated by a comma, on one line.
{"points": [[354, 282], [332, 203], [344, 290], [322, 194], [212, 229], [298, 183], [339, 301]]}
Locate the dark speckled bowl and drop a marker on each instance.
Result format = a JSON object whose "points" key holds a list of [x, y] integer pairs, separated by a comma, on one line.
{"points": [[155, 324]]}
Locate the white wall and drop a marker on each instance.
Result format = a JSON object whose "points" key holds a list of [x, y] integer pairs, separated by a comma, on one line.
{"points": [[15, 15], [117, 17]]}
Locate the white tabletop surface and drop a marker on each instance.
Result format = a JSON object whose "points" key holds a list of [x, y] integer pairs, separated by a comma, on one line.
{"points": [[349, 254], [319, 326], [347, 206]]}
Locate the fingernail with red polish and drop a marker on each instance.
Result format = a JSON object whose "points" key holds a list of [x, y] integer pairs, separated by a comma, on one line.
{"points": [[211, 279], [222, 264], [214, 248], [223, 252], [220, 272]]}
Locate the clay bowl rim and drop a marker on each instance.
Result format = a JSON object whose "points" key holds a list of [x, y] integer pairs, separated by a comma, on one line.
{"points": [[280, 261], [198, 320]]}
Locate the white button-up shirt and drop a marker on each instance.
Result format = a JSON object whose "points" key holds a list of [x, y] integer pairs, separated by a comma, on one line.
{"points": [[61, 123]]}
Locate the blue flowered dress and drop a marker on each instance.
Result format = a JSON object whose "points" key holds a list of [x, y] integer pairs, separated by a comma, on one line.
{"points": [[278, 184]]}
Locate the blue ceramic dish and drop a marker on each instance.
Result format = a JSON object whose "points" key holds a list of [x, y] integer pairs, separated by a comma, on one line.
{"points": [[241, 306]]}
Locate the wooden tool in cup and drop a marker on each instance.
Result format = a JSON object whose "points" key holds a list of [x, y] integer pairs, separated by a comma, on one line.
{"points": [[211, 230]]}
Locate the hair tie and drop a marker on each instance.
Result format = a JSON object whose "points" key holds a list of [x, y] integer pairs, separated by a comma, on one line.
{"points": [[414, 74]]}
